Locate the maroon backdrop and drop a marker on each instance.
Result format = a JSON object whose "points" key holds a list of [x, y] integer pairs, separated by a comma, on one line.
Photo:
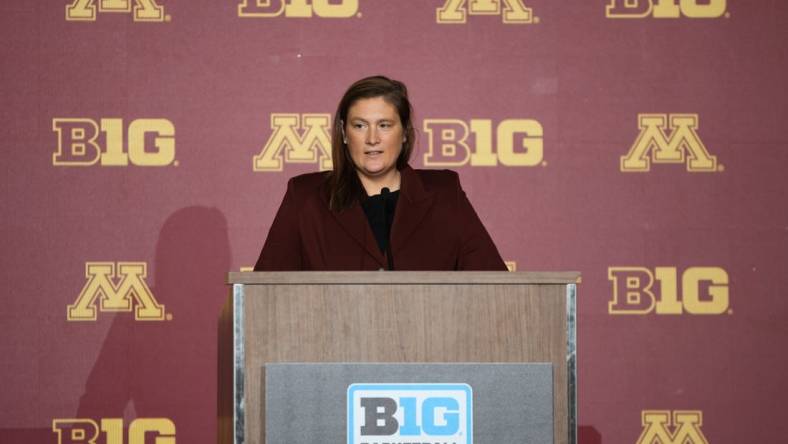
{"points": [[182, 96]]}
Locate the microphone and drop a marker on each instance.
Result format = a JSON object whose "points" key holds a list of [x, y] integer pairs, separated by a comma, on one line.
{"points": [[385, 193]]}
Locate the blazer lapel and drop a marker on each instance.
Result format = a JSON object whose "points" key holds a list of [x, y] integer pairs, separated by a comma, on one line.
{"points": [[413, 204], [354, 222]]}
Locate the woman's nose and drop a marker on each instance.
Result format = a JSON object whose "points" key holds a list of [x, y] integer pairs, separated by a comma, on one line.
{"points": [[372, 135]]}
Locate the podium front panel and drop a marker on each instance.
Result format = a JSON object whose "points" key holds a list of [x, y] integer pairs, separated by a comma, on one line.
{"points": [[384, 403], [397, 317]]}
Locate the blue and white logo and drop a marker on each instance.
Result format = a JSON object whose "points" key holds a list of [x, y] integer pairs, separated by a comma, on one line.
{"points": [[405, 413]]}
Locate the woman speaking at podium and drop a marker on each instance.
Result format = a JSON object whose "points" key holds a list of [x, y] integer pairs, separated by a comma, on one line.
{"points": [[373, 211]]}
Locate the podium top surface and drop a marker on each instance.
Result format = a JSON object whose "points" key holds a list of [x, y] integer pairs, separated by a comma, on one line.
{"points": [[403, 277]]}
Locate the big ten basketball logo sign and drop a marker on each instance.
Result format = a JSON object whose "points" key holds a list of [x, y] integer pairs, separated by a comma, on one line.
{"points": [[666, 8], [667, 138], [683, 427], [296, 138], [86, 142], [299, 8], [704, 291], [453, 142], [141, 10], [511, 11], [116, 287], [111, 431], [388, 413]]}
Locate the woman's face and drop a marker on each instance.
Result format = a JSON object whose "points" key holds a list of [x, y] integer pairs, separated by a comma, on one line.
{"points": [[374, 136]]}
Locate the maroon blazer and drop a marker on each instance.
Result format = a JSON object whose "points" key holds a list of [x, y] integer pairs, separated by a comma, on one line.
{"points": [[434, 228]]}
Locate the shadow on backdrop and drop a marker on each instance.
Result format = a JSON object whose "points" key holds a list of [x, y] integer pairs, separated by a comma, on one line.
{"points": [[588, 435], [167, 369]]}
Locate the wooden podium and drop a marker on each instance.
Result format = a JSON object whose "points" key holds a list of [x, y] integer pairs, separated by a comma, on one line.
{"points": [[392, 317]]}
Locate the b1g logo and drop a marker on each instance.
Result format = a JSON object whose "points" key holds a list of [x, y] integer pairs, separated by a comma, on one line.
{"points": [[114, 288], [405, 413], [143, 10], [683, 145], [519, 142], [704, 291], [298, 8], [296, 138], [79, 142], [514, 11], [686, 425], [666, 8], [110, 431]]}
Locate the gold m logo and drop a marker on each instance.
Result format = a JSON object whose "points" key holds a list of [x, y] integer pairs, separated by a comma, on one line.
{"points": [[686, 427], [299, 138], [665, 8], [101, 287], [144, 10], [514, 11], [683, 141]]}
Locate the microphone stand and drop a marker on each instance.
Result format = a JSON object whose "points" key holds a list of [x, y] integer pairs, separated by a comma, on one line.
{"points": [[386, 194]]}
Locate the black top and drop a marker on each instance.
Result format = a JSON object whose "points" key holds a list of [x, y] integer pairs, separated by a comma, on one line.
{"points": [[380, 214]]}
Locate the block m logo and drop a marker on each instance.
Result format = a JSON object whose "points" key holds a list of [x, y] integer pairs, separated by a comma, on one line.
{"points": [[143, 11], [513, 11], [683, 140], [686, 427], [300, 138], [101, 286]]}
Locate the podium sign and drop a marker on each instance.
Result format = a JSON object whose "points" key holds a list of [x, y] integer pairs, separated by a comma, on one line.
{"points": [[405, 403]]}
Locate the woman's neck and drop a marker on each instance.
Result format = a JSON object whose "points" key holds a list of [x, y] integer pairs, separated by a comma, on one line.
{"points": [[373, 185]]}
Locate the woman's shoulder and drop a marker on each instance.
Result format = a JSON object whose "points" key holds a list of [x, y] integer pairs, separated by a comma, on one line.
{"points": [[305, 188], [438, 179], [307, 183]]}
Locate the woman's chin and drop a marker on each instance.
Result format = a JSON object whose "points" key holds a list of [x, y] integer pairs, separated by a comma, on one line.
{"points": [[373, 170]]}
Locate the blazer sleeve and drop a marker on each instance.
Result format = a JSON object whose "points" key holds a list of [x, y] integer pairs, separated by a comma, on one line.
{"points": [[282, 248], [477, 250]]}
